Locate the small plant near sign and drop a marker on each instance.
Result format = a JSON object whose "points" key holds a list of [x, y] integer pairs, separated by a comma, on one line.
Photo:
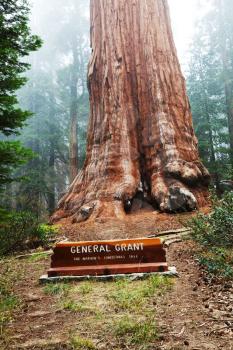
{"points": [[79, 343], [57, 289], [85, 288], [38, 256], [71, 305], [136, 332], [129, 295]]}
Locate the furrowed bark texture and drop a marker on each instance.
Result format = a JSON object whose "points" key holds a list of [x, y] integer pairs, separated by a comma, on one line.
{"points": [[73, 147], [140, 137]]}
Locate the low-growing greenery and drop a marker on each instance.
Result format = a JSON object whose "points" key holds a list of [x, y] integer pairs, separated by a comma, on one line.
{"points": [[57, 289], [129, 296], [45, 232], [214, 233], [9, 302], [218, 261], [85, 288], [79, 343], [132, 331], [38, 256], [71, 305], [20, 230]]}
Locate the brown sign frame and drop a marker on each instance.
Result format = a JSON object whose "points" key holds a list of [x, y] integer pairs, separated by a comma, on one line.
{"points": [[108, 257]]}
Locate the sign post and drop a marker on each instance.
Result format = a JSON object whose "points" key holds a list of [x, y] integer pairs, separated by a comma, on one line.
{"points": [[99, 258]]}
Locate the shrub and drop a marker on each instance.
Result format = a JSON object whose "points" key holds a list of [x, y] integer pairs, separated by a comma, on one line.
{"points": [[214, 233], [19, 230], [45, 232], [218, 261], [215, 229]]}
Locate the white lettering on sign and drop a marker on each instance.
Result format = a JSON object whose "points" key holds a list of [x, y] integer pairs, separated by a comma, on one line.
{"points": [[106, 248], [129, 247]]}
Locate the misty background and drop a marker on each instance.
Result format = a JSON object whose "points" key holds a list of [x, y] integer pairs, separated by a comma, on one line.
{"points": [[57, 94]]}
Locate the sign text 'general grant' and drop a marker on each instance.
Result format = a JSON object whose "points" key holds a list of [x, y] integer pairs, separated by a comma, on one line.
{"points": [[106, 248]]}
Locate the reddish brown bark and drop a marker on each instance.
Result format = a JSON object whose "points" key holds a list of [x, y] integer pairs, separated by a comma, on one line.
{"points": [[140, 136], [73, 146]]}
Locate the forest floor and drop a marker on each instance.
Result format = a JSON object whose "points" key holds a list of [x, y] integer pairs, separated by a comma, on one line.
{"points": [[187, 312]]}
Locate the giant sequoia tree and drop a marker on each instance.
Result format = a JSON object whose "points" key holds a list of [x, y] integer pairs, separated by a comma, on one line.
{"points": [[140, 136]]}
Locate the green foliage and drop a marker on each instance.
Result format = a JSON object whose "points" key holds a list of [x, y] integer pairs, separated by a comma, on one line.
{"points": [[46, 232], [9, 302], [16, 231], [218, 261], [38, 256], [21, 229], [12, 154], [57, 289], [216, 228], [85, 288], [16, 42], [71, 305], [128, 296], [53, 92], [214, 233], [136, 332], [79, 343]]}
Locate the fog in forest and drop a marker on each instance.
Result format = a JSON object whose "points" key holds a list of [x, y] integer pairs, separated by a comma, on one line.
{"points": [[57, 94], [184, 15]]}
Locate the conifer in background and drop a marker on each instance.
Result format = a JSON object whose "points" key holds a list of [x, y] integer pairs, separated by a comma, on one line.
{"points": [[16, 42]]}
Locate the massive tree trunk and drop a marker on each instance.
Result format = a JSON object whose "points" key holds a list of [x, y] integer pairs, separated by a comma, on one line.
{"points": [[73, 147], [140, 136]]}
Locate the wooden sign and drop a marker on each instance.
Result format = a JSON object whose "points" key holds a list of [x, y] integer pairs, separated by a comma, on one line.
{"points": [[108, 257]]}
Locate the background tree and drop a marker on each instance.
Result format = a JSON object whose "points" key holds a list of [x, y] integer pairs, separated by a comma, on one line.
{"points": [[56, 90], [16, 42], [224, 10], [74, 43], [210, 87]]}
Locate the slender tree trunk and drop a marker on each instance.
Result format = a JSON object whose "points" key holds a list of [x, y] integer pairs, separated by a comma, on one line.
{"points": [[212, 155], [214, 175], [13, 192], [34, 195], [51, 194], [73, 151], [51, 181], [140, 135], [227, 70], [229, 103], [229, 97]]}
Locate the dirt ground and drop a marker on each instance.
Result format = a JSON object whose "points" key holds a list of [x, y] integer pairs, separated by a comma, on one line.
{"points": [[193, 313], [141, 224]]}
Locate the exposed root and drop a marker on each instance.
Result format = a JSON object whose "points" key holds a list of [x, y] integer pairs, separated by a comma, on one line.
{"points": [[178, 199], [172, 196], [187, 172], [100, 200], [178, 186], [100, 211]]}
